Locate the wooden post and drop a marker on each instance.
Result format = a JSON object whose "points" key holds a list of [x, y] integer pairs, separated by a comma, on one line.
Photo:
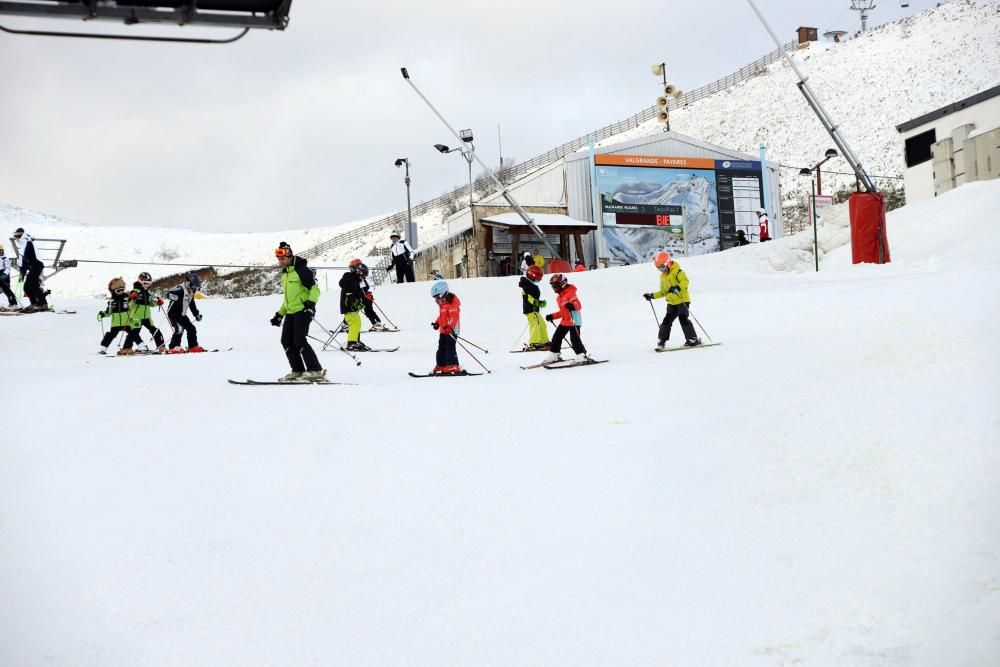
{"points": [[578, 243]]}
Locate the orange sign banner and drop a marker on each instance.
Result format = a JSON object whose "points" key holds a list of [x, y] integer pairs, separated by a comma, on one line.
{"points": [[653, 161]]}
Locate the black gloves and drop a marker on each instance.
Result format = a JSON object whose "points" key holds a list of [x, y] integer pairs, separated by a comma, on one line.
{"points": [[309, 308], [550, 317], [276, 320], [648, 296], [674, 290], [435, 325], [198, 317]]}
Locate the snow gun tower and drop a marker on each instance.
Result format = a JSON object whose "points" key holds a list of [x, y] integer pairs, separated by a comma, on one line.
{"points": [[868, 238], [243, 15]]}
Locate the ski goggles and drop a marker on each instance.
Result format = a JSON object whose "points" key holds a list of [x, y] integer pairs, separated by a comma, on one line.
{"points": [[282, 252]]}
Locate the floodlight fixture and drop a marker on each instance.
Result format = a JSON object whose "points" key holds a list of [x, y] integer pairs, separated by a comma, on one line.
{"points": [[401, 161], [466, 135]]}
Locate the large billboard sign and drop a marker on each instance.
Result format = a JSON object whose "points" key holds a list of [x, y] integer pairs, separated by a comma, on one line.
{"points": [[690, 206]]}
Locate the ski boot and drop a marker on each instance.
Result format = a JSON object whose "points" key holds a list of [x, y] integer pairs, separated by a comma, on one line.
{"points": [[661, 345], [177, 350], [196, 348], [294, 376], [126, 352], [584, 358], [377, 327], [552, 358], [692, 342], [314, 376]]}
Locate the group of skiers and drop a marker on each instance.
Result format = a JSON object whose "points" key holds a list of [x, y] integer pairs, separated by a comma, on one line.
{"points": [[132, 311], [30, 268]]}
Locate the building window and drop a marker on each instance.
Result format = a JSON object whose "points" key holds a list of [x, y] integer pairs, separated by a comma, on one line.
{"points": [[918, 148]]}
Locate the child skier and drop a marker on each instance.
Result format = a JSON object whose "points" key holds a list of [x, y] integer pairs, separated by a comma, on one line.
{"points": [[298, 307], [531, 304], [447, 326], [570, 320], [352, 300], [140, 313], [369, 300], [181, 300], [117, 310], [5, 279], [673, 286]]}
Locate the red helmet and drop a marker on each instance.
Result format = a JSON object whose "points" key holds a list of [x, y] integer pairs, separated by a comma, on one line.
{"points": [[558, 282], [534, 272], [355, 263], [661, 259]]}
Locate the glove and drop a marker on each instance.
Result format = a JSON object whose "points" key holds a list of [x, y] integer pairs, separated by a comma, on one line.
{"points": [[276, 320], [369, 296], [550, 317], [674, 290], [101, 315], [648, 296], [435, 325], [543, 303], [309, 308], [570, 307], [197, 317], [133, 295], [159, 302]]}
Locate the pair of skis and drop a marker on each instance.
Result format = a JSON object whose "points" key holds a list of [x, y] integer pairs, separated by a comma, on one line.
{"points": [[685, 347], [565, 363], [10, 312]]}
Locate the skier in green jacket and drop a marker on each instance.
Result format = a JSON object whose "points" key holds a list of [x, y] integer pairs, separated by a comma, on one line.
{"points": [[673, 286], [298, 307]]}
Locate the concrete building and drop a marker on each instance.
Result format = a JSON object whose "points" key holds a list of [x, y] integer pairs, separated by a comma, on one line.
{"points": [[955, 144]]}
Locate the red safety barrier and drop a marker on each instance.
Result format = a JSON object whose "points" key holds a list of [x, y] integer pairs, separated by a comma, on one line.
{"points": [[869, 242]]}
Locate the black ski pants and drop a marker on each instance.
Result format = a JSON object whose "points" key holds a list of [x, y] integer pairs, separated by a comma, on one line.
{"points": [[33, 285], [370, 312], [447, 355], [110, 335], [5, 286], [133, 334], [677, 311], [404, 269], [180, 324], [574, 339], [294, 338]]}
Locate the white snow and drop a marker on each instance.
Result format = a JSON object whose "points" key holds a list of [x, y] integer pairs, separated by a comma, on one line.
{"points": [[821, 489]]}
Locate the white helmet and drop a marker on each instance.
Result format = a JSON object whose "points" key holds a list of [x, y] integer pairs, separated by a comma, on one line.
{"points": [[394, 232]]}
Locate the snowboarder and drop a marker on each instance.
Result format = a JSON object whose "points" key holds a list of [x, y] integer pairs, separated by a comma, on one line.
{"points": [[673, 286], [447, 326], [352, 300], [764, 225], [31, 270], [181, 300], [5, 279], [570, 320], [402, 258], [298, 307], [141, 315], [369, 300], [531, 305], [117, 310]]}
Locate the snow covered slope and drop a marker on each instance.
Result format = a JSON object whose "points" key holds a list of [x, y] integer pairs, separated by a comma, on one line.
{"points": [[819, 490]]}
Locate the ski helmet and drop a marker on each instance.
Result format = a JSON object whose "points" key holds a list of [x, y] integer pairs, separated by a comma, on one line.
{"points": [[362, 269], [354, 264], [116, 285], [145, 279], [534, 272], [661, 259], [193, 280], [558, 282], [394, 234], [283, 250], [439, 288], [19, 232]]}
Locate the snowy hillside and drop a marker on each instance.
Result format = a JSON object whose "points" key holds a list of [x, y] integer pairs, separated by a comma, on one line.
{"points": [[819, 490]]}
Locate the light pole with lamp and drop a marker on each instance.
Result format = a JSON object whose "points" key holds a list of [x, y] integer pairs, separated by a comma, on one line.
{"points": [[467, 153], [411, 229], [806, 171], [829, 155]]}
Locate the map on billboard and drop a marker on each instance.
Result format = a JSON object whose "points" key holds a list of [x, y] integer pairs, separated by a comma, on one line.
{"points": [[642, 197]]}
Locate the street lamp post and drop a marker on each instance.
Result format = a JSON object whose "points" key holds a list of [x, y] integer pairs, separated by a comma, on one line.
{"points": [[829, 155], [805, 171], [467, 153], [411, 229]]}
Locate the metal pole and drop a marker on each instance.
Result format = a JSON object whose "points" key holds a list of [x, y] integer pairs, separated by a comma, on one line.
{"points": [[819, 179], [411, 229], [817, 107], [815, 235], [468, 158], [503, 189]]}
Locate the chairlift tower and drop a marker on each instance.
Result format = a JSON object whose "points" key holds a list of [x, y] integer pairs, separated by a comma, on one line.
{"points": [[863, 7]]}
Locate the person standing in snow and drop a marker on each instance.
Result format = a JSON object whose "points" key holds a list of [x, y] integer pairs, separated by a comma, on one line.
{"points": [[181, 301], [298, 307], [401, 258], [5, 279], [117, 310], [765, 223], [580, 266], [526, 261], [538, 260], [352, 300], [447, 326], [674, 287], [570, 320], [531, 305], [31, 270], [369, 302], [141, 315], [492, 266]]}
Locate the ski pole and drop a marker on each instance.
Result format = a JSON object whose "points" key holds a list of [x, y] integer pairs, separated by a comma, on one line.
{"points": [[655, 316], [457, 337], [699, 325], [332, 338], [356, 361], [521, 335], [459, 341], [375, 303]]}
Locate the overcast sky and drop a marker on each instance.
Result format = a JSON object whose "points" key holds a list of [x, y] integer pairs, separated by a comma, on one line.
{"points": [[294, 129]]}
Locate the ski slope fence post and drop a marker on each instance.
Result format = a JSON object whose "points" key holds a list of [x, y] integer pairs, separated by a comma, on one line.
{"points": [[459, 341]]}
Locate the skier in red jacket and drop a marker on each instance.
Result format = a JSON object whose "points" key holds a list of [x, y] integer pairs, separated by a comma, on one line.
{"points": [[447, 325], [570, 320]]}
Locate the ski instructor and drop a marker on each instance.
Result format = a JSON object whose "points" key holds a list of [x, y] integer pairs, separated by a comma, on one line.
{"points": [[297, 309]]}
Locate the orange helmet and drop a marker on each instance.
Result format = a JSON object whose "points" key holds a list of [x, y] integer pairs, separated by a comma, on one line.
{"points": [[661, 259], [534, 272]]}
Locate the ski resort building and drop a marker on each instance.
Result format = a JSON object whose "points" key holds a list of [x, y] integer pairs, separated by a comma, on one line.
{"points": [[614, 205], [958, 143]]}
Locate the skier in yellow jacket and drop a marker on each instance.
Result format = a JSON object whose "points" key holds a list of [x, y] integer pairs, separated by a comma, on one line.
{"points": [[673, 286]]}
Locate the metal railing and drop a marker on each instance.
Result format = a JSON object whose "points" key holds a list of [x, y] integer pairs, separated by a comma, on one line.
{"points": [[397, 220]]}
